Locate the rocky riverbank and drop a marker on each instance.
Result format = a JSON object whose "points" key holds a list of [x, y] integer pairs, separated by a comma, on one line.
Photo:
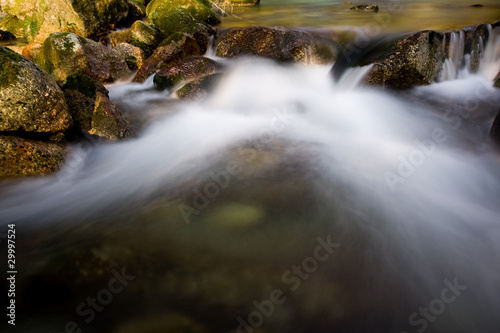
{"points": [[53, 93]]}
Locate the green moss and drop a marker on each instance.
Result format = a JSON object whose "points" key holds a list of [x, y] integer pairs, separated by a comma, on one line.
{"points": [[8, 69]]}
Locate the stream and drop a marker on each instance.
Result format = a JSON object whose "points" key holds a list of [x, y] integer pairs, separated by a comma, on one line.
{"points": [[284, 202]]}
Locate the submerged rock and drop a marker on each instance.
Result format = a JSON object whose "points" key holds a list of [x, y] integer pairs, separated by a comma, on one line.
{"points": [[25, 157], [198, 88], [171, 52], [413, 61], [191, 68], [475, 42], [366, 8], [92, 111], [63, 54], [172, 16], [83, 17], [30, 100], [277, 43]]}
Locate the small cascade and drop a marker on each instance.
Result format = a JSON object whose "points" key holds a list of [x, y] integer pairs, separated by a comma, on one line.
{"points": [[211, 49], [455, 60], [490, 61]]}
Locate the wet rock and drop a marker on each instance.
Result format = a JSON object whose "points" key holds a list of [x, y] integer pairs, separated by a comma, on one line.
{"points": [[25, 157], [277, 43], [198, 88], [140, 34], [496, 80], [366, 8], [83, 17], [5, 35], [244, 3], [192, 68], [30, 100], [134, 56], [413, 61], [475, 42], [63, 54], [31, 50], [92, 111], [169, 53], [136, 11], [172, 16], [495, 130]]}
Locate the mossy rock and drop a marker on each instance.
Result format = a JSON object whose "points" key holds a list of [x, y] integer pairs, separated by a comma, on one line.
{"points": [[243, 3], [277, 43], [192, 68], [63, 54], [6, 35], [172, 16], [366, 8], [30, 100], [134, 56], [172, 51], [13, 25], [413, 61], [24, 157], [140, 34], [87, 18]]}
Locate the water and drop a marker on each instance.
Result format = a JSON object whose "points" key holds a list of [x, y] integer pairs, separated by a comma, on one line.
{"points": [[216, 201]]}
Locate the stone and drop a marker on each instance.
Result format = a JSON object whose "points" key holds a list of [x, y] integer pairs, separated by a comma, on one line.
{"points": [[25, 157], [134, 56], [31, 50], [366, 8], [475, 42], [199, 88], [413, 61], [63, 54], [92, 111], [277, 43], [171, 52], [30, 100], [145, 36], [6, 35], [172, 16], [192, 68]]}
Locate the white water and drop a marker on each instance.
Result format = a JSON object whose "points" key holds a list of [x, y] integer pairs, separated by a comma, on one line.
{"points": [[439, 220]]}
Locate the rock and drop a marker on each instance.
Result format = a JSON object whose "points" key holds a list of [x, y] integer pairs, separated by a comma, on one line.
{"points": [[172, 16], [413, 61], [475, 41], [277, 43], [198, 88], [84, 17], [496, 81], [136, 11], [495, 130], [25, 157], [31, 50], [140, 34], [5, 35], [171, 52], [63, 54], [13, 25], [92, 111], [366, 8], [192, 68], [30, 100], [134, 56]]}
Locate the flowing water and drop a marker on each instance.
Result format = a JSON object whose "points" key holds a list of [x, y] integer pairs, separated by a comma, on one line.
{"points": [[220, 205]]}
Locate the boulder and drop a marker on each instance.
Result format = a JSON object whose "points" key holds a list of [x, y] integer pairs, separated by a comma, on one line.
{"points": [[495, 130], [475, 41], [140, 34], [277, 43], [172, 16], [134, 56], [171, 52], [13, 25], [30, 100], [26, 157], [136, 11], [198, 88], [84, 17], [63, 54], [92, 111], [413, 61], [31, 50], [192, 68]]}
